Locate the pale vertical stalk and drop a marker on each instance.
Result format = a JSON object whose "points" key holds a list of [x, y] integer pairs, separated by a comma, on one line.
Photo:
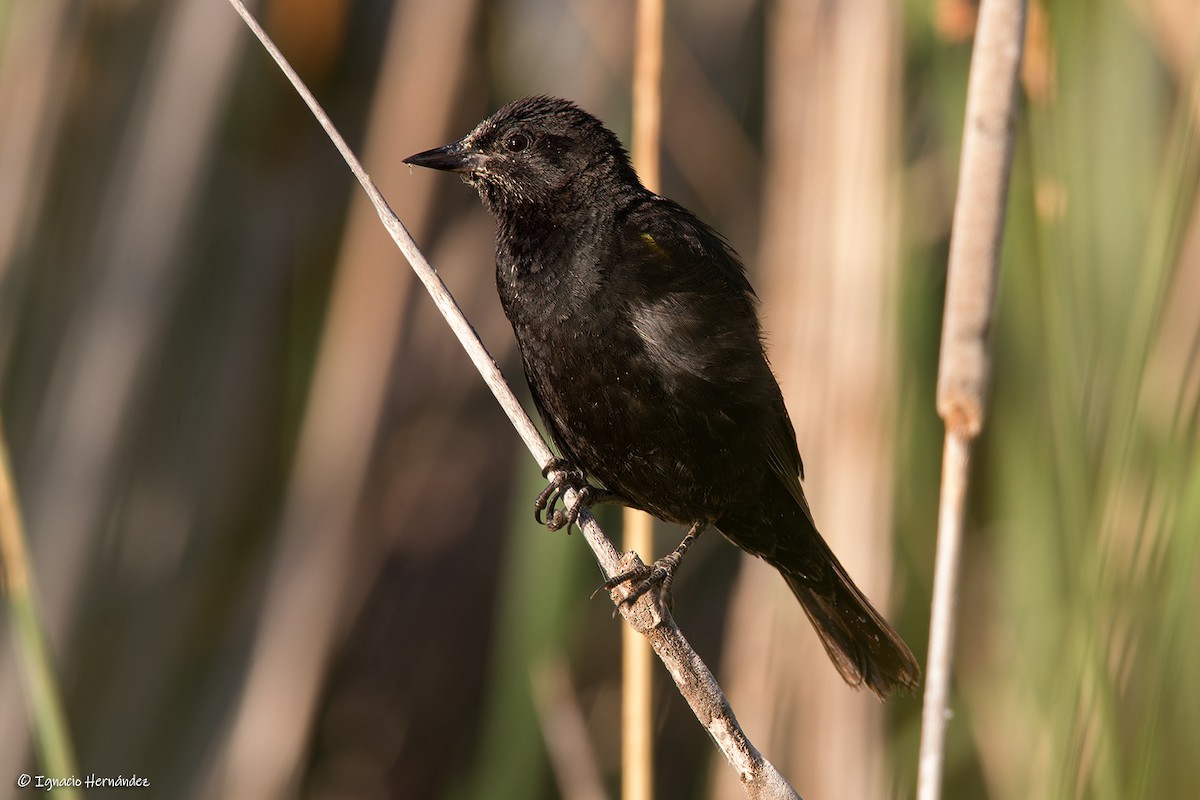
{"points": [[637, 697], [965, 363], [826, 273], [647, 91], [637, 680], [33, 654], [956, 464]]}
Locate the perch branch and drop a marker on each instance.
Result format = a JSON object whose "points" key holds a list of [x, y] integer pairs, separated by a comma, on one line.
{"points": [[964, 366], [695, 681]]}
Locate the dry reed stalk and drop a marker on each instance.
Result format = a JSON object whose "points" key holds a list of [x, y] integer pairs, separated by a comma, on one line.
{"points": [[828, 259], [964, 367], [637, 676]]}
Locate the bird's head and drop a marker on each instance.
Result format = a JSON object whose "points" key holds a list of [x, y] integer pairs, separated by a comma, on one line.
{"points": [[536, 152]]}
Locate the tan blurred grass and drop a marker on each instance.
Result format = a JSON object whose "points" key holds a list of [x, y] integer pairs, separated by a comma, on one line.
{"points": [[1077, 648]]}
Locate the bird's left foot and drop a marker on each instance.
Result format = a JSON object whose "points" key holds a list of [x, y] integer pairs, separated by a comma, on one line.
{"points": [[565, 477], [661, 573]]}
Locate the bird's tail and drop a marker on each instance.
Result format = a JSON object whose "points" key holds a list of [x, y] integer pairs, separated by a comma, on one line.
{"points": [[861, 644]]}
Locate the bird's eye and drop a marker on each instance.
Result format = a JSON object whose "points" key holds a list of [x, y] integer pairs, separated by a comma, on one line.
{"points": [[516, 143]]}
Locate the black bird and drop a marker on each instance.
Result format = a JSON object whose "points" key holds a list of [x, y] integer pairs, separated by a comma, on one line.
{"points": [[640, 339]]}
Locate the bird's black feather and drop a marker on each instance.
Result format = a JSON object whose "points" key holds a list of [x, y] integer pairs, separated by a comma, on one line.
{"points": [[639, 335]]}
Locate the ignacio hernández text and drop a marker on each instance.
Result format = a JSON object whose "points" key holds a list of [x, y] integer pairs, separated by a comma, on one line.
{"points": [[90, 781]]}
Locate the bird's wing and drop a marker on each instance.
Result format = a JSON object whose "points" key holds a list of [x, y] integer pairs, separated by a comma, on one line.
{"points": [[696, 313], [784, 459], [687, 295], [673, 232]]}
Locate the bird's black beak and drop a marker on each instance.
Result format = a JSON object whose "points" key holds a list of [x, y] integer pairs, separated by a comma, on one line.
{"points": [[454, 157]]}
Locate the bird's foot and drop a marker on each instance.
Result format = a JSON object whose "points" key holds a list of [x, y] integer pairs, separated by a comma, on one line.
{"points": [[642, 580], [660, 574], [565, 477]]}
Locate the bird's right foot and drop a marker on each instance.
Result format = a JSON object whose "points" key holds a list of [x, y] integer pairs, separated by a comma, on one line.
{"points": [[565, 477]]}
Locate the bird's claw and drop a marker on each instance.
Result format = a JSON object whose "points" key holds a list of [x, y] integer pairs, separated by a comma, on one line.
{"points": [[565, 477], [645, 578]]}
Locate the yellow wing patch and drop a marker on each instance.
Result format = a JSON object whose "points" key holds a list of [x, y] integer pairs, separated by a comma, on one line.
{"points": [[653, 245]]}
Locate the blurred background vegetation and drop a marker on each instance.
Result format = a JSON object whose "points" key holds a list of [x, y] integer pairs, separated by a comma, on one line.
{"points": [[282, 535]]}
